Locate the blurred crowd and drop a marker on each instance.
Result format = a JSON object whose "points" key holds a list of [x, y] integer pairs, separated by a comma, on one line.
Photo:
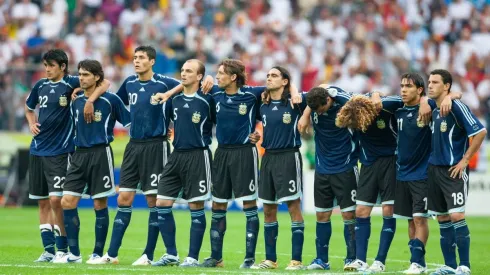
{"points": [[355, 44]]}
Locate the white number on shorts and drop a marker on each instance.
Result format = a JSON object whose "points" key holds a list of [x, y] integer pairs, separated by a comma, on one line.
{"points": [[132, 98], [293, 186], [155, 179], [458, 198], [42, 101], [58, 181], [107, 182], [353, 194], [251, 186], [202, 186], [217, 107], [425, 201], [315, 117], [264, 121]]}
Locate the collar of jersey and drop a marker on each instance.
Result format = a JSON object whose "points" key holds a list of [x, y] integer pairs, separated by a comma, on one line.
{"points": [[190, 96]]}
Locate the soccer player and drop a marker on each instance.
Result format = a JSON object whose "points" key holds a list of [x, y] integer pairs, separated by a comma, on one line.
{"points": [[187, 175], [52, 145], [336, 175], [448, 177], [146, 153], [281, 168], [93, 165]]}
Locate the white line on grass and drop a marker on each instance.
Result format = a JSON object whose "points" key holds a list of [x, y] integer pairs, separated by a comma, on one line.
{"points": [[200, 271]]}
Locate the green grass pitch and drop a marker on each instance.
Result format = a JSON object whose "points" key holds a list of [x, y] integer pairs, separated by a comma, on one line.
{"points": [[20, 244]]}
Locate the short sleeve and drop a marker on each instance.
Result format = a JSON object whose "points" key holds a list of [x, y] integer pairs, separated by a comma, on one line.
{"points": [[342, 96], [121, 113], [169, 81], [465, 117], [122, 93], [32, 99], [432, 103], [257, 91], [392, 103], [73, 81]]}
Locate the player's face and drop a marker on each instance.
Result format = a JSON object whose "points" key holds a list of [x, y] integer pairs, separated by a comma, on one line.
{"points": [[324, 108], [437, 87], [87, 79], [224, 79], [189, 75], [53, 71], [142, 62], [409, 92], [275, 80]]}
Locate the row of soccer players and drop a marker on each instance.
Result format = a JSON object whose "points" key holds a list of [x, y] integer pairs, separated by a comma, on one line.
{"points": [[335, 173], [186, 173]]}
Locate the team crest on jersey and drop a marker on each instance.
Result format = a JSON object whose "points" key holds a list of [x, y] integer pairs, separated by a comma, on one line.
{"points": [[443, 126], [286, 118], [196, 117], [63, 101], [381, 124], [242, 109], [98, 116], [420, 123]]}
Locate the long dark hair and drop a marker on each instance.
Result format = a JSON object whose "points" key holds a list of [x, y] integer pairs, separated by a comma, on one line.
{"points": [[286, 94]]}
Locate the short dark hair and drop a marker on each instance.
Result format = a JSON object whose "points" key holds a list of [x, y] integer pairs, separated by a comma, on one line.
{"points": [[94, 67], [316, 98], [286, 94], [149, 50], [445, 75], [417, 80], [57, 55], [235, 66]]}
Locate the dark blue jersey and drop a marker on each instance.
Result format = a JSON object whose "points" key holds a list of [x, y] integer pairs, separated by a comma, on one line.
{"points": [[56, 130], [280, 123], [193, 118], [380, 138], [148, 120], [107, 109], [236, 114], [450, 134], [414, 143]]}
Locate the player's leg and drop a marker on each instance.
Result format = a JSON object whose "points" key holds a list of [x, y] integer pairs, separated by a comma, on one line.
{"points": [[73, 189], [197, 184], [324, 204], [437, 205], [127, 190], [221, 194], [367, 194], [102, 185], [55, 169], [152, 159], [344, 186], [38, 190], [456, 193], [267, 193], [387, 188], [169, 190], [244, 174]]}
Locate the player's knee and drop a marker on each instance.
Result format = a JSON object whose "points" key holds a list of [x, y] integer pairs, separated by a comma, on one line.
{"points": [[323, 216], [196, 205], [249, 204], [221, 206], [68, 202], [388, 210], [348, 215], [363, 211], [151, 200], [125, 199], [443, 218], [270, 212], [420, 221], [455, 217], [55, 203], [100, 203], [164, 203]]}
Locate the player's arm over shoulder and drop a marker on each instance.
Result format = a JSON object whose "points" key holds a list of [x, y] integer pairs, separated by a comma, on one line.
{"points": [[32, 98]]}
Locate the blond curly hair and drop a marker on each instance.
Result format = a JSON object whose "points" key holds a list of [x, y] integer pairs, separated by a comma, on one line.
{"points": [[358, 113]]}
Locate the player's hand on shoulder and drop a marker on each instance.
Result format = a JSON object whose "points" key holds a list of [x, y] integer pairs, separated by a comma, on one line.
{"points": [[88, 111], [207, 84], [425, 112], [266, 97], [446, 106], [76, 93], [254, 137], [376, 99], [160, 97]]}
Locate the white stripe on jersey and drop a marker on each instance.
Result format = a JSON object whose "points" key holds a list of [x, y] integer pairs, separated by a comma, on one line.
{"points": [[451, 144], [465, 111]]}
